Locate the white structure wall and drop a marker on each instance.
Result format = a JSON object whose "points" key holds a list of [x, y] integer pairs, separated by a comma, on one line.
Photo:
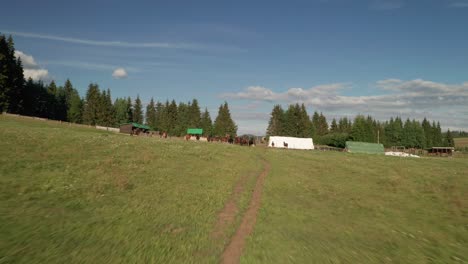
{"points": [[293, 142]]}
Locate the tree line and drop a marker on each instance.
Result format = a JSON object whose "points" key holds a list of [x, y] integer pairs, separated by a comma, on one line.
{"points": [[35, 98], [295, 122]]}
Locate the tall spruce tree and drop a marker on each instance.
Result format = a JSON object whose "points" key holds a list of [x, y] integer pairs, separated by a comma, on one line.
{"points": [[206, 123], [277, 122], [171, 118], [91, 106], [75, 110], [194, 114], [138, 111], [448, 141], [150, 114], [224, 125]]}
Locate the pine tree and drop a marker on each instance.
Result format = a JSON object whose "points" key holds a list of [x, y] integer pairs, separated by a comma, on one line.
{"points": [[362, 130], [4, 73], [305, 125], [224, 125], [449, 142], [292, 121], [194, 114], [428, 133], [172, 118], [52, 100], [61, 106], [129, 110], [109, 110], [334, 126], [138, 111], [121, 111], [206, 123], [159, 116], [75, 110], [91, 106], [183, 119], [150, 114], [11, 78], [277, 122]]}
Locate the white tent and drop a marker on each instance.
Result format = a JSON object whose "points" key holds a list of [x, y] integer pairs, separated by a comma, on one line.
{"points": [[293, 142]]}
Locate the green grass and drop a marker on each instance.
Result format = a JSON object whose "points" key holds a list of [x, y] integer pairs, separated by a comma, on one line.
{"points": [[80, 195], [328, 207]]}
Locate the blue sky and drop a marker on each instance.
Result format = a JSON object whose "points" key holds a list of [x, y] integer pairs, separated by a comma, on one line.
{"points": [[378, 57]]}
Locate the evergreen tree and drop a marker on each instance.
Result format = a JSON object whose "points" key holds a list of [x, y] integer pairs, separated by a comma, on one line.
{"points": [[91, 106], [224, 125], [449, 142], [159, 116], [344, 125], [362, 130], [334, 126], [150, 114], [183, 119], [110, 118], [426, 125], [129, 110], [194, 114], [171, 117], [61, 106], [277, 122], [206, 123], [121, 111], [292, 121], [11, 78], [305, 125], [75, 110], [138, 111], [52, 102]]}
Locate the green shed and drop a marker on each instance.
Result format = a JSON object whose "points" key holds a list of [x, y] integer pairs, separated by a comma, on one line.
{"points": [[133, 128], [364, 147], [195, 131]]}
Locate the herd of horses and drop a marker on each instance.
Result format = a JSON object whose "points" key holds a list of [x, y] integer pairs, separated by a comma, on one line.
{"points": [[243, 141]]}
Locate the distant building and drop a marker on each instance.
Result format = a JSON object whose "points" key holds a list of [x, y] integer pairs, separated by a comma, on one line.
{"points": [[134, 128], [441, 151]]}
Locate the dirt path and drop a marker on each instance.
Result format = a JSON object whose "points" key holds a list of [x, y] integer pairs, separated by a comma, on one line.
{"points": [[233, 251], [227, 216]]}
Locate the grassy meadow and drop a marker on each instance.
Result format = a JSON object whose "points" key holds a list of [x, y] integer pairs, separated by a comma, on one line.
{"points": [[355, 208], [80, 195]]}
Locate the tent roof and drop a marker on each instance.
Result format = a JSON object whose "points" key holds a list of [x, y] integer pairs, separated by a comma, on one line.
{"points": [[195, 131]]}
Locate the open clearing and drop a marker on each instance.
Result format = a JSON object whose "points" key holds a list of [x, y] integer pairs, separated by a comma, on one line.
{"points": [[79, 195], [461, 142]]}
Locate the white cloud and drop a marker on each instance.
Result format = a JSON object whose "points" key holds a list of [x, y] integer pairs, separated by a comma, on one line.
{"points": [[123, 44], [36, 74], [120, 73], [414, 99], [30, 68], [27, 60], [89, 65]]}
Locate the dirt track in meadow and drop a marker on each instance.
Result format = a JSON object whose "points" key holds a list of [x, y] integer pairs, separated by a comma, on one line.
{"points": [[226, 217]]}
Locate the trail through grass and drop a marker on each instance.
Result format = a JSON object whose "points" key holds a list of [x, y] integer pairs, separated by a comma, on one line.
{"points": [[81, 195]]}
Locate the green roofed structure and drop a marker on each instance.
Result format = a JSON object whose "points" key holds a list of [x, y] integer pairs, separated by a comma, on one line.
{"points": [[195, 131], [134, 128], [364, 147]]}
